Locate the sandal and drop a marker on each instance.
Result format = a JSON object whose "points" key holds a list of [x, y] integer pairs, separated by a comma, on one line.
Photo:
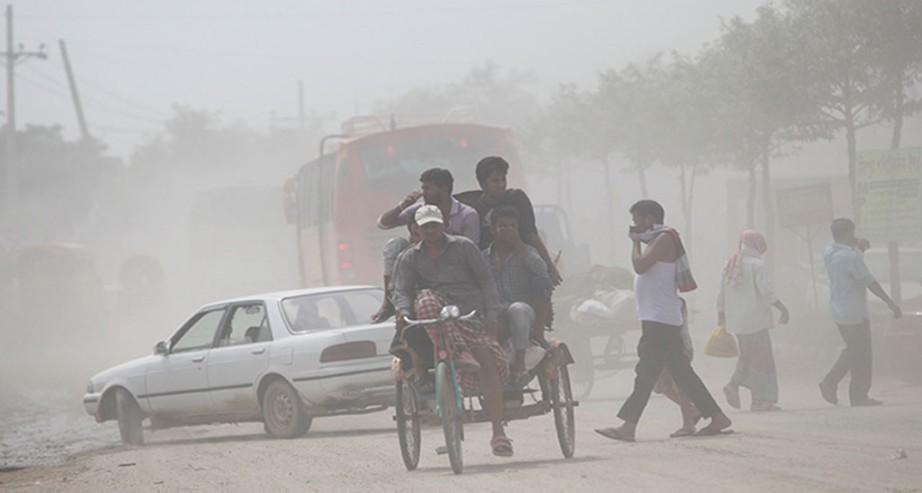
{"points": [[682, 432], [614, 434], [521, 377], [502, 446]]}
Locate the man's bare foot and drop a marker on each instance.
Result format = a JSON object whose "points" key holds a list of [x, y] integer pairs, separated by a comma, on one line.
{"points": [[691, 422], [384, 313], [719, 421]]}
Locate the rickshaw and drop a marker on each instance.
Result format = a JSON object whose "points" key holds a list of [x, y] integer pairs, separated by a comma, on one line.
{"points": [[452, 408]]}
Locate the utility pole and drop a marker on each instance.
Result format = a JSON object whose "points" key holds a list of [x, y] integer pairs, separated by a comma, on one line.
{"points": [[302, 114], [12, 56], [84, 133]]}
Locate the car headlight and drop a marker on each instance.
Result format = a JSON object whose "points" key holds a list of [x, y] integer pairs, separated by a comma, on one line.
{"points": [[89, 387]]}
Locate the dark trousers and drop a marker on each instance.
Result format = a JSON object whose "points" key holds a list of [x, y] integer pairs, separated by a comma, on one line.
{"points": [[661, 347], [854, 359]]}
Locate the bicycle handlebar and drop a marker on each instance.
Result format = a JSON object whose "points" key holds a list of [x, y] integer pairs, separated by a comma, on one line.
{"points": [[449, 313]]}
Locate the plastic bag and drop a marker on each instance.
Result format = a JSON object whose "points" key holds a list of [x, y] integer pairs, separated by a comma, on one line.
{"points": [[721, 344]]}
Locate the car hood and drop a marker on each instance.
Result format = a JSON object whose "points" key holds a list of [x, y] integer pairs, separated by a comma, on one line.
{"points": [[124, 369]]}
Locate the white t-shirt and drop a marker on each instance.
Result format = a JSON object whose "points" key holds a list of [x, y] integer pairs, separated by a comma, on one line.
{"points": [[747, 305]]}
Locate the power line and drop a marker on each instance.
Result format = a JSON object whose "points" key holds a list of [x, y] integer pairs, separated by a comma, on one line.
{"points": [[319, 14], [98, 104], [108, 92], [98, 101]]}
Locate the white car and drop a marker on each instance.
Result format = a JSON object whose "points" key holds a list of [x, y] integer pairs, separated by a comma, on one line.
{"points": [[281, 358]]}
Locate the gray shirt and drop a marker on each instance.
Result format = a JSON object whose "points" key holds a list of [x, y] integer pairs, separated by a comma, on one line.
{"points": [[521, 278], [459, 274]]}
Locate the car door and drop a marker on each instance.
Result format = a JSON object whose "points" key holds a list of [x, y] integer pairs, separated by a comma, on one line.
{"points": [[365, 367], [354, 306], [178, 383], [239, 358]]}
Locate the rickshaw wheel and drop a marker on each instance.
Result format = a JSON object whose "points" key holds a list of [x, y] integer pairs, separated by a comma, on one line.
{"points": [[408, 424], [562, 402], [450, 413]]}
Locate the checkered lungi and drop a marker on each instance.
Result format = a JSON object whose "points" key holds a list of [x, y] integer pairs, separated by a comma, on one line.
{"points": [[465, 335]]}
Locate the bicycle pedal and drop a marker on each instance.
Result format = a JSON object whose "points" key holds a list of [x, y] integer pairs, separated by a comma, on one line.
{"points": [[441, 450]]}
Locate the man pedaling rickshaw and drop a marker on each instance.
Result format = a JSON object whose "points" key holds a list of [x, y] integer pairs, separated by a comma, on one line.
{"points": [[445, 269]]}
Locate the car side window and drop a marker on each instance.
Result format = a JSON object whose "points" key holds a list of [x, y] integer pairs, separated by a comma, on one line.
{"points": [[360, 303], [247, 324], [200, 335], [311, 313]]}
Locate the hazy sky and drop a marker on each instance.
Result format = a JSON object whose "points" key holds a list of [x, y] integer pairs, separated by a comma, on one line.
{"points": [[134, 59]]}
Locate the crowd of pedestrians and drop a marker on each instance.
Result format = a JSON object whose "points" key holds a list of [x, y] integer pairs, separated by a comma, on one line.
{"points": [[484, 253]]}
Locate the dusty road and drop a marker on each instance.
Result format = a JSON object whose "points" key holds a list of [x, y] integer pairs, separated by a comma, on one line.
{"points": [[810, 446]]}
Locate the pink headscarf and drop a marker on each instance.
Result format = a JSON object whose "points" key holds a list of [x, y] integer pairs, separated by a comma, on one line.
{"points": [[751, 243]]}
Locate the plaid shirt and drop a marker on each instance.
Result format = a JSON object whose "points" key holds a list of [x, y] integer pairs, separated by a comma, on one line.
{"points": [[458, 274], [521, 278]]}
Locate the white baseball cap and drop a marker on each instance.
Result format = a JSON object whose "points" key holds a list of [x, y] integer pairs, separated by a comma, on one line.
{"points": [[427, 214]]}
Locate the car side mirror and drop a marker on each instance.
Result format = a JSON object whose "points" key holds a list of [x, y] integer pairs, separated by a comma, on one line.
{"points": [[161, 348]]}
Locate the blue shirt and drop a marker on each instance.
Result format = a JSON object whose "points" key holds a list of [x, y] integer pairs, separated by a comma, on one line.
{"points": [[521, 278], [849, 279]]}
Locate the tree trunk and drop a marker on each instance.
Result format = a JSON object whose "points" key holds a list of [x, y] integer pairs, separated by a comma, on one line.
{"points": [[642, 176], [688, 194], [767, 204], [899, 101], [561, 190], [751, 199], [852, 143], [609, 202], [893, 247]]}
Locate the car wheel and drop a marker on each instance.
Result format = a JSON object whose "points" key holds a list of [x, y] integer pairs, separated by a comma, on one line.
{"points": [[129, 417], [283, 412]]}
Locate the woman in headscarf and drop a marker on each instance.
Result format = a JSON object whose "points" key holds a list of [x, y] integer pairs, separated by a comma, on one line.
{"points": [[744, 308]]}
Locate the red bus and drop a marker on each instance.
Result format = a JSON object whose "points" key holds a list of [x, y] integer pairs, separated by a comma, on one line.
{"points": [[335, 200]]}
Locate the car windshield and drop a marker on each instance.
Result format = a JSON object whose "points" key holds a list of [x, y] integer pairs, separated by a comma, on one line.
{"points": [[317, 312]]}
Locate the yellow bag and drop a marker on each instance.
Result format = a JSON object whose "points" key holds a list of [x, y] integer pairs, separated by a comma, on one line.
{"points": [[721, 344]]}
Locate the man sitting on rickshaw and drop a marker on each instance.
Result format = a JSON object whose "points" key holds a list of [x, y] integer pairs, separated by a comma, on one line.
{"points": [[445, 269], [524, 286]]}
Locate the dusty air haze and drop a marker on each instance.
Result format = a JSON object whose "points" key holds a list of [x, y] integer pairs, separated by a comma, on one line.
{"points": [[197, 112]]}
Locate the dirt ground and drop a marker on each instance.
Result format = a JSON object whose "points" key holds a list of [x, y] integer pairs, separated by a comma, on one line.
{"points": [[809, 446]]}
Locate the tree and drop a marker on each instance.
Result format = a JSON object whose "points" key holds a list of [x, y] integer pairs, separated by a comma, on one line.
{"points": [[842, 41], [767, 106], [572, 132], [897, 41], [60, 182], [631, 103], [484, 95]]}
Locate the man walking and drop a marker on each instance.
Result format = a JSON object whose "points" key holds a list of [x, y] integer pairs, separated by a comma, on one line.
{"points": [[662, 271], [849, 283]]}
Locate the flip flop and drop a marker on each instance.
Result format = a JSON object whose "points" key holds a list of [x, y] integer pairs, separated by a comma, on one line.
{"points": [[707, 431], [520, 378], [614, 434], [682, 432], [502, 446]]}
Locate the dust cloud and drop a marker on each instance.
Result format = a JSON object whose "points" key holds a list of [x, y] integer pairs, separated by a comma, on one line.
{"points": [[114, 241]]}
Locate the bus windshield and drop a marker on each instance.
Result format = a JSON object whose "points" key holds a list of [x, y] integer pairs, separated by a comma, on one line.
{"points": [[397, 166]]}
